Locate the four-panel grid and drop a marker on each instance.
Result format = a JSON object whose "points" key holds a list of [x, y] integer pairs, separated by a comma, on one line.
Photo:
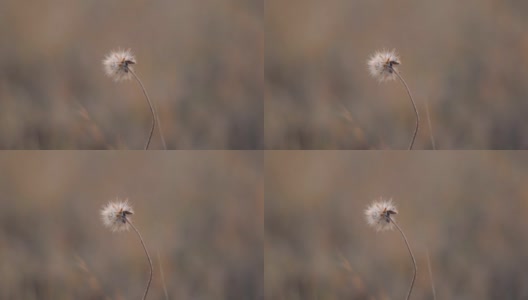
{"points": [[248, 150]]}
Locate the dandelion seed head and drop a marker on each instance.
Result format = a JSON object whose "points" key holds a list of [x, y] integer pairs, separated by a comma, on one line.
{"points": [[378, 214], [382, 64], [117, 64], [116, 215]]}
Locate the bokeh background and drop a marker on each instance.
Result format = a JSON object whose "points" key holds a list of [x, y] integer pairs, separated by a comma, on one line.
{"points": [[467, 210], [467, 61], [201, 62], [200, 214]]}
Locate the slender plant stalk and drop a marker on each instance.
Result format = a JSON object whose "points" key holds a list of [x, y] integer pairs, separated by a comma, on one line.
{"points": [[431, 275], [150, 105], [160, 131], [413, 104], [430, 126], [412, 256], [154, 109], [148, 257], [163, 278], [158, 121]]}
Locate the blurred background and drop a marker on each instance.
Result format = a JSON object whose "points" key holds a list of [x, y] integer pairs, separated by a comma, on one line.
{"points": [[467, 61], [200, 214], [467, 210], [201, 62]]}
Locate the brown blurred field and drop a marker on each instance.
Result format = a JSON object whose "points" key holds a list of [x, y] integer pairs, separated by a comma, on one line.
{"points": [[202, 212], [467, 59], [468, 209], [201, 62]]}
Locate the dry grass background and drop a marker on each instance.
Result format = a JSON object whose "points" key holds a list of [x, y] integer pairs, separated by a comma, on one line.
{"points": [[201, 62], [202, 211], [467, 208], [467, 59]]}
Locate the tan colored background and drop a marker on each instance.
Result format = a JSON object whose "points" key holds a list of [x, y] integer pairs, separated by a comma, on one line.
{"points": [[467, 59], [201, 62], [201, 211], [468, 209]]}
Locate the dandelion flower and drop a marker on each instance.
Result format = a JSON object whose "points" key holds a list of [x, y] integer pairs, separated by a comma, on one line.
{"points": [[118, 63], [115, 215], [382, 65], [378, 214]]}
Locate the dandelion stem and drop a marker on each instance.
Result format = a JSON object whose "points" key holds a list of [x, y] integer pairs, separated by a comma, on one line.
{"points": [[410, 252], [160, 131], [163, 278], [148, 256], [431, 275], [413, 104], [430, 126], [150, 105]]}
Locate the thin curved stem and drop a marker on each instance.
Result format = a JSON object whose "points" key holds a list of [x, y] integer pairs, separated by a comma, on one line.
{"points": [[433, 143], [431, 275], [150, 105], [414, 106], [163, 278], [148, 257], [412, 256], [160, 131]]}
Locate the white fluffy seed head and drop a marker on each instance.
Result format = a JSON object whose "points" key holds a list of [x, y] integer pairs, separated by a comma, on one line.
{"points": [[116, 215], [382, 64], [378, 214], [117, 64]]}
